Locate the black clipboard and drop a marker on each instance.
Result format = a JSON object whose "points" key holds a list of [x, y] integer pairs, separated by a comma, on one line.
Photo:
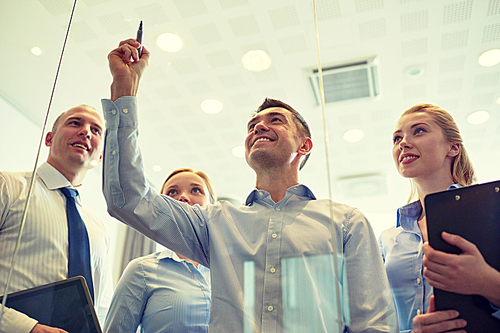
{"points": [[472, 212], [64, 304]]}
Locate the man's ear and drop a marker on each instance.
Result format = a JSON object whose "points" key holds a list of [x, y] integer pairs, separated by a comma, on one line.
{"points": [[48, 139], [454, 149], [306, 146]]}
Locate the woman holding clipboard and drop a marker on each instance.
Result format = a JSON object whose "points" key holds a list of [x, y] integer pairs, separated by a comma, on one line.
{"points": [[428, 149]]}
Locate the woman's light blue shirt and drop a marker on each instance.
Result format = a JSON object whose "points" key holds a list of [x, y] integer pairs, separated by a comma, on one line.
{"points": [[162, 293], [401, 248]]}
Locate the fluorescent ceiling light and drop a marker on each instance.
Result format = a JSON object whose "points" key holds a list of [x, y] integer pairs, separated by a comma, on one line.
{"points": [[156, 168], [211, 106], [489, 58], [256, 61], [478, 117], [169, 42], [36, 50], [239, 151], [353, 135]]}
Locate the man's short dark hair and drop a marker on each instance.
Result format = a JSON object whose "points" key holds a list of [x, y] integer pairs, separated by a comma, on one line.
{"points": [[299, 120]]}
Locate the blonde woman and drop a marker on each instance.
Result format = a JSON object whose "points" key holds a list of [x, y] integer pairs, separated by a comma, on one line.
{"points": [[164, 291], [428, 150]]}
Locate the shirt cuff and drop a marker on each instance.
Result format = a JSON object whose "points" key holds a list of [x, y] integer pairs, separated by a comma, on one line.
{"points": [[16, 322], [121, 113]]}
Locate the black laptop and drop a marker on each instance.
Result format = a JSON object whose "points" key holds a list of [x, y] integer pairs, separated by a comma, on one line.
{"points": [[64, 304]]}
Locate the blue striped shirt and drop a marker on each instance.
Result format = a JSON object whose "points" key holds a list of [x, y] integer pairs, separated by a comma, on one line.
{"points": [[276, 266], [162, 293]]}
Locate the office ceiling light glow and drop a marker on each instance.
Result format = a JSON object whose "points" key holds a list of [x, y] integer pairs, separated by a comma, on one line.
{"points": [[156, 168], [239, 151], [489, 58], [36, 50], [353, 135], [211, 106], [256, 61], [169, 42], [478, 117]]}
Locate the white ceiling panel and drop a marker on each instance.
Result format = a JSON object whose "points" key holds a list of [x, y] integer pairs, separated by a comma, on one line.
{"points": [[441, 38]]}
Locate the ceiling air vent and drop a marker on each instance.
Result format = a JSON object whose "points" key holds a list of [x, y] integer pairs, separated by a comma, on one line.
{"points": [[347, 81], [363, 185]]}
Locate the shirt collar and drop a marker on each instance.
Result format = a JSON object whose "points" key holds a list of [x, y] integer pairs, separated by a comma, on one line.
{"points": [[298, 190], [167, 253], [52, 178], [408, 214]]}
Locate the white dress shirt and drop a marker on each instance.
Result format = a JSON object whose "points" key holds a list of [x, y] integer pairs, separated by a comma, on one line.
{"points": [[43, 252]]}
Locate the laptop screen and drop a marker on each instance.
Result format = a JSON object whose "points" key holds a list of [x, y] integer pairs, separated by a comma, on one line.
{"points": [[64, 304]]}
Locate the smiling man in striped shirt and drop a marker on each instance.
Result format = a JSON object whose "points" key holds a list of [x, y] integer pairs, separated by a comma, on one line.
{"points": [[75, 143]]}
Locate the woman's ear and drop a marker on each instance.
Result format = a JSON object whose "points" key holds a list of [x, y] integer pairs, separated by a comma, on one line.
{"points": [[454, 149]]}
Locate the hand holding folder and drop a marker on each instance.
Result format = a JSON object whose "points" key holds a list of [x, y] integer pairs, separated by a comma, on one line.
{"points": [[451, 272]]}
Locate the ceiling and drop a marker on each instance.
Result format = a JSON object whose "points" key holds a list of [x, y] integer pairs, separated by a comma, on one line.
{"points": [[441, 38]]}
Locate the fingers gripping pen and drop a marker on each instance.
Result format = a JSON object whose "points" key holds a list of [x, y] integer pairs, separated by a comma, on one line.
{"points": [[139, 38]]}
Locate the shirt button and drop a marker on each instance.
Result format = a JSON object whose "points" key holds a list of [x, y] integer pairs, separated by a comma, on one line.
{"points": [[419, 312], [113, 152], [274, 235], [260, 194], [418, 280], [277, 209], [273, 270], [113, 111], [125, 110], [270, 308], [419, 251]]}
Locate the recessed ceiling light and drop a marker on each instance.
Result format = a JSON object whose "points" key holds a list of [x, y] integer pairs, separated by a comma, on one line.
{"points": [[489, 58], [156, 168], [239, 151], [169, 42], [478, 117], [353, 135], [36, 50], [498, 100], [211, 106], [414, 72], [256, 61]]}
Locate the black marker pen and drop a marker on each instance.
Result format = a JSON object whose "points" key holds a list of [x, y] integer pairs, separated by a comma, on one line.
{"points": [[139, 38]]}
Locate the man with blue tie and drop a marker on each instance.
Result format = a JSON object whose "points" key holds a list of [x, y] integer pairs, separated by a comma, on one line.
{"points": [[61, 238]]}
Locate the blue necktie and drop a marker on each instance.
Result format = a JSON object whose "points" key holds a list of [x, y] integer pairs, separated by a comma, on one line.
{"points": [[78, 242]]}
